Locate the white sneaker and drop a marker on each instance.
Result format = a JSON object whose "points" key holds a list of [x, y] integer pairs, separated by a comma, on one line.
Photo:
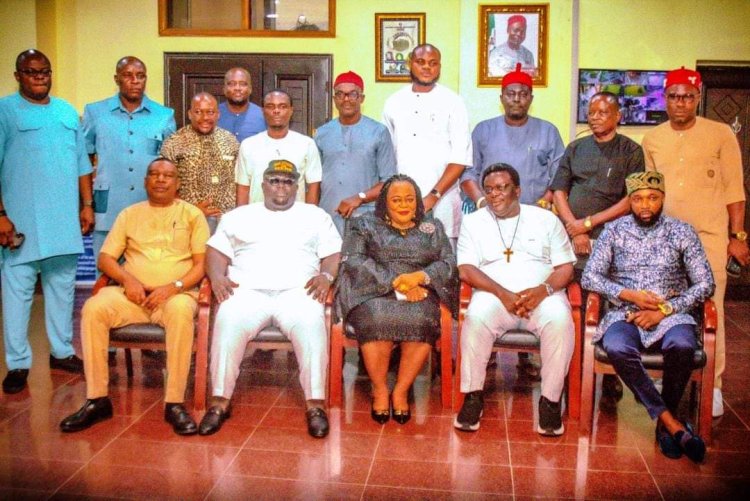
{"points": [[718, 406]]}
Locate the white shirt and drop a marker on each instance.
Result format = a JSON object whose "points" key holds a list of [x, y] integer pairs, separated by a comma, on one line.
{"points": [[256, 151], [430, 130], [540, 244], [275, 250]]}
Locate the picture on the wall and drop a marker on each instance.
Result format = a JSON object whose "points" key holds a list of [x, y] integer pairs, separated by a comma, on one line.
{"points": [[511, 34], [395, 37]]}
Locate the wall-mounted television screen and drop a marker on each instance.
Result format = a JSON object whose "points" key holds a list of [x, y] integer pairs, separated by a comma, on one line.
{"points": [[641, 94]]}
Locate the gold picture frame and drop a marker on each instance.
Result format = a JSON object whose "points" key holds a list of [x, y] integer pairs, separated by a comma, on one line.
{"points": [[502, 45], [396, 35]]}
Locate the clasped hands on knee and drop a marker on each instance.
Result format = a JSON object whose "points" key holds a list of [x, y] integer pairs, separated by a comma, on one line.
{"points": [[648, 314], [149, 298], [411, 285]]}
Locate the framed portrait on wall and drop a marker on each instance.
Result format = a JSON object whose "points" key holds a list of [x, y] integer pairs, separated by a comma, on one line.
{"points": [[511, 34], [395, 37]]}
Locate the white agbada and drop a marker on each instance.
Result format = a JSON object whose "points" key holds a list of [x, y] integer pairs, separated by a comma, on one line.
{"points": [[258, 150], [430, 130]]}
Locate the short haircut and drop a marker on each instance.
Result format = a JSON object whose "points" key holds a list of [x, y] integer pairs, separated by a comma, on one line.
{"points": [[424, 46], [278, 91], [30, 54], [381, 204], [157, 160], [203, 95], [607, 96], [501, 167], [238, 68], [126, 60]]}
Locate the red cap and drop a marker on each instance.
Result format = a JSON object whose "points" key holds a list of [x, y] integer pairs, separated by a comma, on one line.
{"points": [[350, 77], [683, 76], [517, 76], [516, 18]]}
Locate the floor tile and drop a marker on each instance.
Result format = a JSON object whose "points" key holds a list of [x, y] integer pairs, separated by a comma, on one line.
{"points": [[292, 440], [232, 487], [35, 474], [377, 493], [603, 458], [682, 488], [561, 483], [301, 466]]}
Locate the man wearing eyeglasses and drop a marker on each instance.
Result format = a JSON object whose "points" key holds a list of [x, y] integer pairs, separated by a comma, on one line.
{"points": [[276, 143], [702, 168], [272, 263], [205, 156], [123, 134], [356, 153], [238, 114], [45, 178]]}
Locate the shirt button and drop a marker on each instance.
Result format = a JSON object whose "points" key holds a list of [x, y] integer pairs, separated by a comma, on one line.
{"points": [[131, 151], [414, 135], [130, 169], [132, 188], [130, 132]]}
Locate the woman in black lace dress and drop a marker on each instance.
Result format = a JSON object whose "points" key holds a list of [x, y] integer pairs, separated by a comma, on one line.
{"points": [[397, 267]]}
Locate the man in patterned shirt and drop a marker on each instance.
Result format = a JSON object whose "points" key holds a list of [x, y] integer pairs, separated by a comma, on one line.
{"points": [[205, 156], [650, 304]]}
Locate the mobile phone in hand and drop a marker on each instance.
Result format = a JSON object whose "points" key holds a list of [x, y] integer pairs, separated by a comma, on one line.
{"points": [[734, 268]]}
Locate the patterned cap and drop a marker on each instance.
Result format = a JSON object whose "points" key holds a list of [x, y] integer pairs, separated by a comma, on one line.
{"points": [[281, 167], [683, 76], [649, 180]]}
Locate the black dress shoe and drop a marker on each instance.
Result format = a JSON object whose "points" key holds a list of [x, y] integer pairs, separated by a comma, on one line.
{"points": [[401, 417], [182, 422], [380, 417], [214, 418], [70, 364], [15, 380], [317, 422], [93, 411]]}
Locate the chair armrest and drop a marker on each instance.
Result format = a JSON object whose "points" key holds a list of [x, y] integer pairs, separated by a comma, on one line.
{"points": [[101, 282], [593, 305], [204, 292], [710, 318], [464, 295], [330, 297], [574, 295]]}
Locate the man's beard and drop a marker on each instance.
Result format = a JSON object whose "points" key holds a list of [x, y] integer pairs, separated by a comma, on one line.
{"points": [[234, 102], [415, 78], [647, 224]]}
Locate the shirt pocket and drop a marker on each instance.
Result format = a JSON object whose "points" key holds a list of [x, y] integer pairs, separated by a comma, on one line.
{"points": [[537, 250], [153, 143], [101, 197], [180, 238]]}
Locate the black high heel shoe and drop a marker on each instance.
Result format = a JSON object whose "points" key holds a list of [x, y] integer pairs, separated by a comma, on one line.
{"points": [[401, 417], [380, 417]]}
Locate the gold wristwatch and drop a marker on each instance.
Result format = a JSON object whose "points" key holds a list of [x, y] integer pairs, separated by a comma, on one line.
{"points": [[666, 308], [740, 235], [587, 223]]}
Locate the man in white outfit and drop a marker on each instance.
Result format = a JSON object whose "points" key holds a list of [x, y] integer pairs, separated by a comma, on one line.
{"points": [[429, 127], [272, 263], [518, 260]]}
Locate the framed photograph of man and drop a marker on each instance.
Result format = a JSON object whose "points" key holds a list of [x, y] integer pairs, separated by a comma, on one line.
{"points": [[395, 37], [511, 34]]}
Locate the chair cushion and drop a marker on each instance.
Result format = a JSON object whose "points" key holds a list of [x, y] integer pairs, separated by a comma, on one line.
{"points": [[270, 334], [652, 359], [137, 333], [517, 338]]}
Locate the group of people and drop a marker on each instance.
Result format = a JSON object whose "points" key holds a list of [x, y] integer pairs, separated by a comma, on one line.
{"points": [[391, 215]]}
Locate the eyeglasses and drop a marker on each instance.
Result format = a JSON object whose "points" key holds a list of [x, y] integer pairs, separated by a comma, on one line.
{"points": [[684, 98], [284, 181], [500, 188], [353, 95], [36, 73]]}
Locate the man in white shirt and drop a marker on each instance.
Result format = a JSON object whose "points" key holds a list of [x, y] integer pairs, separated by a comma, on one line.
{"points": [[429, 127], [272, 262], [518, 260], [277, 142]]}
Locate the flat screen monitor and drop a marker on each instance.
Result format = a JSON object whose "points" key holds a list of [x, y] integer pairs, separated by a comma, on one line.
{"points": [[641, 94]]}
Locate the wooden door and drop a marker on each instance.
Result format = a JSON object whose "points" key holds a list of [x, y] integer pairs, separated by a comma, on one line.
{"points": [[306, 77], [726, 99]]}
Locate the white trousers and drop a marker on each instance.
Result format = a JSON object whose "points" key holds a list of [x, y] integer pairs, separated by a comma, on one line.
{"points": [[241, 317], [486, 318]]}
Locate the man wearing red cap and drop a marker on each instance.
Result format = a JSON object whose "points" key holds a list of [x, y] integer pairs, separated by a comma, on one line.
{"points": [[429, 127], [356, 153], [504, 58], [531, 145], [702, 167]]}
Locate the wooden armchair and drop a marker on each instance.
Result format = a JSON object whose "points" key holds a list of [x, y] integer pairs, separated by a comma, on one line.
{"points": [[148, 336], [525, 341], [595, 361]]}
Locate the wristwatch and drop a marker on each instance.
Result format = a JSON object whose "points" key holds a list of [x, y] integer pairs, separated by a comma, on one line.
{"points": [[436, 193], [362, 195], [587, 223], [666, 308], [550, 289], [179, 284], [328, 276], [740, 235]]}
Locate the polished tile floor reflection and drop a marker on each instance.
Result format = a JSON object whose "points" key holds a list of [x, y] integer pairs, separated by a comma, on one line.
{"points": [[264, 452]]}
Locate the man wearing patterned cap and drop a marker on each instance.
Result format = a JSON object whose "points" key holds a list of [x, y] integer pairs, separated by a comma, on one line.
{"points": [[531, 145], [356, 154], [275, 271], [701, 163], [503, 59], [205, 156], [649, 306]]}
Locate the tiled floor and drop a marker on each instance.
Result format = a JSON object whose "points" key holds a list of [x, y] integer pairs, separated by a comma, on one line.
{"points": [[264, 452]]}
